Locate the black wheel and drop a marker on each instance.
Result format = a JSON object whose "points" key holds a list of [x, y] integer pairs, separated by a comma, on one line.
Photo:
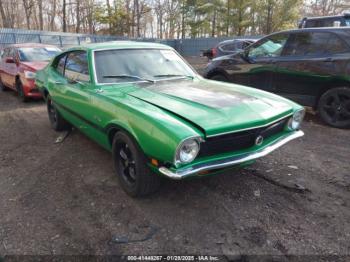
{"points": [[334, 107], [58, 123], [130, 165], [219, 77], [20, 91], [2, 86]]}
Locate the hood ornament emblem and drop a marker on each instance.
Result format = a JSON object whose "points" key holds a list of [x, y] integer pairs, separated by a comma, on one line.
{"points": [[259, 140]]}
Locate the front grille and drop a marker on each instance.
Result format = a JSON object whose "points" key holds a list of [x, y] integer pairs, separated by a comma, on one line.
{"points": [[239, 140]]}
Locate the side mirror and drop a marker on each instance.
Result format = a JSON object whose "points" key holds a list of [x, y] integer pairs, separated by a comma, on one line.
{"points": [[9, 60]]}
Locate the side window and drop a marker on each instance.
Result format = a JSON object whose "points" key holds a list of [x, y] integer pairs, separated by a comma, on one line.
{"points": [[5, 53], [77, 67], [10, 53], [245, 44], [337, 45], [228, 47], [270, 47], [313, 44], [60, 65]]}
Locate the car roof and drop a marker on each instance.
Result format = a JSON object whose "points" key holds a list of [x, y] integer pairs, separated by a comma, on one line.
{"points": [[30, 45], [326, 17], [119, 45], [343, 32], [340, 30], [238, 40]]}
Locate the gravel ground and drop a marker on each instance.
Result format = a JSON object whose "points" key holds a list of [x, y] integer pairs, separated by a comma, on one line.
{"points": [[63, 199]]}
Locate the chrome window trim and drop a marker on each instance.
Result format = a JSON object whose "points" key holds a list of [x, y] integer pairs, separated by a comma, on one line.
{"points": [[195, 74]]}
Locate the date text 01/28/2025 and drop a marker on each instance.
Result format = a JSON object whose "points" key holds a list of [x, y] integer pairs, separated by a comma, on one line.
{"points": [[173, 258]]}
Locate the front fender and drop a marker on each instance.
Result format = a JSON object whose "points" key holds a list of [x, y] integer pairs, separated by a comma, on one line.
{"points": [[157, 132]]}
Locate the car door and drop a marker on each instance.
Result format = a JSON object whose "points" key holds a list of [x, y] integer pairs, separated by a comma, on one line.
{"points": [[9, 68], [306, 66], [71, 87], [3, 65], [261, 58]]}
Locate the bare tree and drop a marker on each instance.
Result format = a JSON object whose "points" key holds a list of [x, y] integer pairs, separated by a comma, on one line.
{"points": [[64, 18]]}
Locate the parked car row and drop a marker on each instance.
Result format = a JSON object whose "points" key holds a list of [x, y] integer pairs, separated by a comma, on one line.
{"points": [[309, 66]]}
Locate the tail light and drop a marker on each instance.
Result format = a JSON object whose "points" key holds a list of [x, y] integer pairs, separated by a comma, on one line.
{"points": [[214, 51]]}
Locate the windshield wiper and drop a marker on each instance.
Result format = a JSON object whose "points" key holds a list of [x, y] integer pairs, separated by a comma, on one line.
{"points": [[129, 76], [173, 75]]}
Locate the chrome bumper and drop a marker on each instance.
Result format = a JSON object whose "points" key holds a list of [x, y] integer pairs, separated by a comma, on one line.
{"points": [[182, 173]]}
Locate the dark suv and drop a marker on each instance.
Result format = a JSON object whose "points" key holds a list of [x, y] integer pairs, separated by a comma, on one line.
{"points": [[309, 66], [325, 21]]}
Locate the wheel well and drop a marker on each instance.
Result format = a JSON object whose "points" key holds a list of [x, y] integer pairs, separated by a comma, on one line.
{"points": [[45, 93], [111, 133], [214, 73], [323, 91], [113, 129]]}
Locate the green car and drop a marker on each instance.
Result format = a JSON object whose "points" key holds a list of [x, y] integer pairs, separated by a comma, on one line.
{"points": [[158, 117]]}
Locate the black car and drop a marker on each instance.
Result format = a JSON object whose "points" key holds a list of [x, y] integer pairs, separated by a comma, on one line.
{"points": [[309, 66], [228, 47], [325, 21]]}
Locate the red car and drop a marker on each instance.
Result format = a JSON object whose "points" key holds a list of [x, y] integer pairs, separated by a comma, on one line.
{"points": [[18, 65]]}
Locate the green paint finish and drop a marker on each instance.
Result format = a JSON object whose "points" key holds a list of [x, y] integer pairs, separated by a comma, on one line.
{"points": [[160, 115]]}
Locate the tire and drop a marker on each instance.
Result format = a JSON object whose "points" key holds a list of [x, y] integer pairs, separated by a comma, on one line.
{"points": [[334, 107], [58, 123], [130, 165], [219, 77], [20, 91], [2, 86]]}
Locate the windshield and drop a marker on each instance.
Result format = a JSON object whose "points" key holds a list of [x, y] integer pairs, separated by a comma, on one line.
{"points": [[129, 65], [31, 54]]}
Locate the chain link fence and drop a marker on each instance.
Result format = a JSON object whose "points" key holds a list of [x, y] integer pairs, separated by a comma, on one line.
{"points": [[186, 47]]}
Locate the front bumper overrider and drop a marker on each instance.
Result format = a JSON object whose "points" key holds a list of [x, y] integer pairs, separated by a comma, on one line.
{"points": [[230, 161]]}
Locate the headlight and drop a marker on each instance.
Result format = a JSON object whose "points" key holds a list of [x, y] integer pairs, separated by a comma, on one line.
{"points": [[29, 74], [187, 151], [296, 120]]}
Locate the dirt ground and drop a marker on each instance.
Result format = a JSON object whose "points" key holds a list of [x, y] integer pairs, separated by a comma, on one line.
{"points": [[64, 199]]}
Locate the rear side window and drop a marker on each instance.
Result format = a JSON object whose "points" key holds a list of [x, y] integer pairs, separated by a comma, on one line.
{"points": [[60, 65], [77, 67], [228, 47], [336, 45], [314, 44], [5, 53]]}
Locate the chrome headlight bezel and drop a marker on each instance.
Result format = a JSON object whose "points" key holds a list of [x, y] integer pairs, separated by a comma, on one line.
{"points": [[194, 143], [295, 121]]}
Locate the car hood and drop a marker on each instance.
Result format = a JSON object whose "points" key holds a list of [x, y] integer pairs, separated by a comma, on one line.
{"points": [[35, 65], [212, 106]]}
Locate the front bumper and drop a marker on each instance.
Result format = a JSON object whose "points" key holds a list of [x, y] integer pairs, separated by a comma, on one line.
{"points": [[231, 161]]}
